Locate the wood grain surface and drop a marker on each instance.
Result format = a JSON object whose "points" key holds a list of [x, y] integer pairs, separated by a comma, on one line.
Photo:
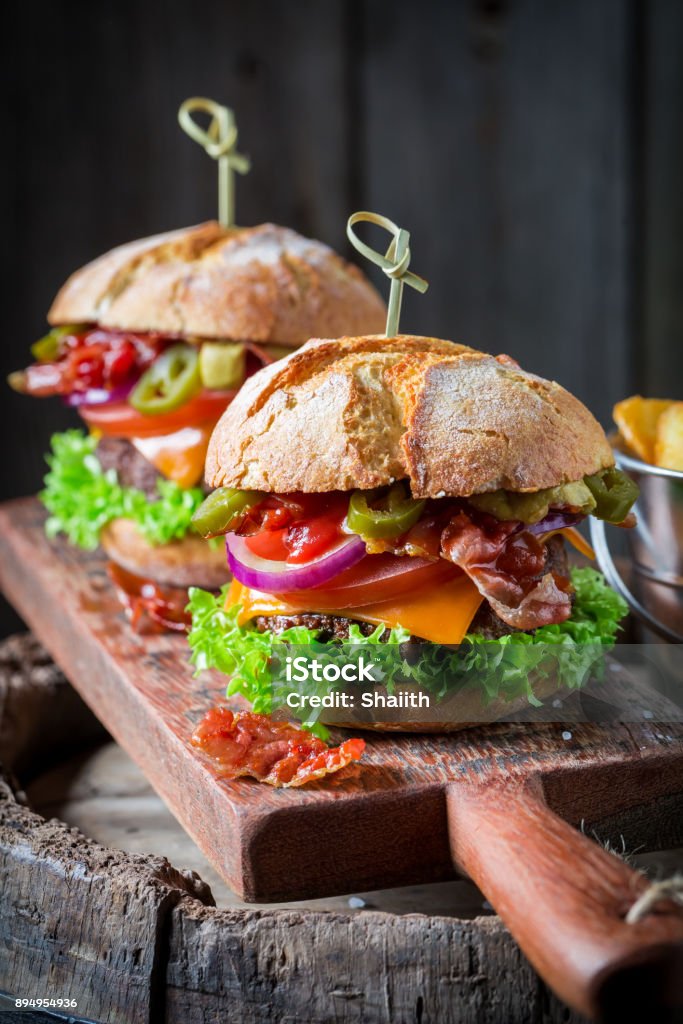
{"points": [[256, 967], [103, 793], [416, 809]]}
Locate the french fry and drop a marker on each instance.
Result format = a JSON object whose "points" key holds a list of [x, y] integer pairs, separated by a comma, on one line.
{"points": [[669, 443], [637, 420]]}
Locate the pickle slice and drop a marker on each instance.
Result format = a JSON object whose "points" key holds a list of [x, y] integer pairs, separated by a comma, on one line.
{"points": [[222, 365]]}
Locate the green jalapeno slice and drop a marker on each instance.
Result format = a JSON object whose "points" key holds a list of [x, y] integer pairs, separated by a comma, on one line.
{"points": [[46, 349], [380, 513], [614, 494], [222, 509], [171, 380]]}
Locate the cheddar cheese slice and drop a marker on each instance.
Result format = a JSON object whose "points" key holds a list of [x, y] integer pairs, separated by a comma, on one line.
{"points": [[179, 456], [571, 534], [441, 614]]}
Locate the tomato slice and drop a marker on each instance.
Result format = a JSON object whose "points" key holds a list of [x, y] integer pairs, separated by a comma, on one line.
{"points": [[305, 541], [119, 419], [289, 530], [375, 579], [268, 544], [295, 544]]}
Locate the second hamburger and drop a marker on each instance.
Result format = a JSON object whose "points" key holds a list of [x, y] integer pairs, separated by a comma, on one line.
{"points": [[387, 489], [150, 343]]}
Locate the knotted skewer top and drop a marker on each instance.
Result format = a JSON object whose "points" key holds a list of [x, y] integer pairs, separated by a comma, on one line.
{"points": [[394, 262], [219, 141]]}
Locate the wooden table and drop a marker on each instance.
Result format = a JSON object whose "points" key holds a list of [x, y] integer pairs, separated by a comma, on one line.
{"points": [[493, 803], [133, 938]]}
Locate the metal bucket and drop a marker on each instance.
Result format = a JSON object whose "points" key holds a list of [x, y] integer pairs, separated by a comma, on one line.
{"points": [[655, 549]]}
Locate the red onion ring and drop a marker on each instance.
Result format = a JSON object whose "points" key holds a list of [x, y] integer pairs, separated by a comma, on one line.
{"points": [[98, 396], [555, 520], [279, 577]]}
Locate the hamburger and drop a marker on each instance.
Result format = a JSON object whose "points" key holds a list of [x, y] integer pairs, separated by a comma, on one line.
{"points": [[150, 343], [407, 490]]}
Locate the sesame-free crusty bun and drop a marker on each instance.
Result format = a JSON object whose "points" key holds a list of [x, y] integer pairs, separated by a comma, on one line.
{"points": [[189, 562], [263, 284], [362, 412]]}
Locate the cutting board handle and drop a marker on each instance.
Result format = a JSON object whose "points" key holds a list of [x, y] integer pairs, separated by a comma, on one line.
{"points": [[565, 899]]}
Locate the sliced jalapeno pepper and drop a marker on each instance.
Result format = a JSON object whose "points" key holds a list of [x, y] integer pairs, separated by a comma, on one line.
{"points": [[614, 494], [170, 381], [46, 349], [381, 513], [222, 509]]}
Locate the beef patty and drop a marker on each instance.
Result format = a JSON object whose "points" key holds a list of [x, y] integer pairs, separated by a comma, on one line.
{"points": [[132, 468], [335, 627]]}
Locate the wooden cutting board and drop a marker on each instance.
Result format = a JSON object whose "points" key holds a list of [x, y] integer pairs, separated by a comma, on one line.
{"points": [[490, 802]]}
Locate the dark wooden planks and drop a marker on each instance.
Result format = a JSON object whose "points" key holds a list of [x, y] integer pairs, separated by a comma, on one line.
{"points": [[522, 143], [97, 157], [370, 968], [507, 137], [660, 153], [81, 922], [499, 134]]}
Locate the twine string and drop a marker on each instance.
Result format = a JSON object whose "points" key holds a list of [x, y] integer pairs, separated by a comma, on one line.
{"points": [[394, 263], [668, 890], [218, 141]]}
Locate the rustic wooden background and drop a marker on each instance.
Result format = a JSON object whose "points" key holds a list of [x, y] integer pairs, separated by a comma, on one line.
{"points": [[534, 150]]}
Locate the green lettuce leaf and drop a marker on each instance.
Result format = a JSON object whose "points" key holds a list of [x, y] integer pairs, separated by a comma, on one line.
{"points": [[505, 668], [82, 498]]}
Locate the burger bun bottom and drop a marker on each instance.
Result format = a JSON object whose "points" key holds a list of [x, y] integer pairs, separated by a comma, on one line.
{"points": [[189, 562]]}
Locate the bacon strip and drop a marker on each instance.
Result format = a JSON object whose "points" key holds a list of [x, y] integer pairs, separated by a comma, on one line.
{"points": [[506, 563], [150, 607], [244, 743]]}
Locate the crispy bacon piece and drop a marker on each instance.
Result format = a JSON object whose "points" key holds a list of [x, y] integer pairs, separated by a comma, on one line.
{"points": [[629, 522], [150, 608], [507, 565], [244, 743], [260, 353], [423, 540], [94, 358]]}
